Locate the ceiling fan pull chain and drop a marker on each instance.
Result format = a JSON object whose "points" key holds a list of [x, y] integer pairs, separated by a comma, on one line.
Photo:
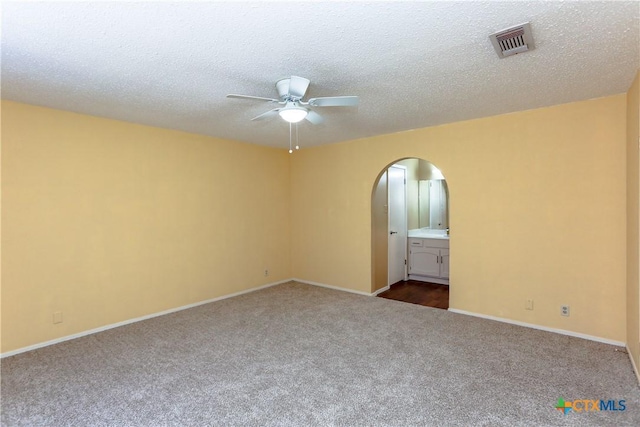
{"points": [[297, 141], [290, 150]]}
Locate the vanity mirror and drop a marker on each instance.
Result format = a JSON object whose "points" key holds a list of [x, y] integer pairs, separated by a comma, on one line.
{"points": [[433, 198]]}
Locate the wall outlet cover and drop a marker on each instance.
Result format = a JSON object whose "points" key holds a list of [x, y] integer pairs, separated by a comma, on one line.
{"points": [[57, 317]]}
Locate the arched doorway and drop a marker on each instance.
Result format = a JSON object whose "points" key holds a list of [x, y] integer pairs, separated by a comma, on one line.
{"points": [[426, 245]]}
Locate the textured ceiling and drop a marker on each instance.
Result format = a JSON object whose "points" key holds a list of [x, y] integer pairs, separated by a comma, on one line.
{"points": [[413, 64]]}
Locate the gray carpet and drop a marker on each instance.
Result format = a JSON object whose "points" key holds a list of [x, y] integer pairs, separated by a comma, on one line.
{"points": [[299, 355]]}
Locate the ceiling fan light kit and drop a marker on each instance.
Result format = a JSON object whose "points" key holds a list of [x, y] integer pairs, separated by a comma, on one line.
{"points": [[292, 113], [294, 109]]}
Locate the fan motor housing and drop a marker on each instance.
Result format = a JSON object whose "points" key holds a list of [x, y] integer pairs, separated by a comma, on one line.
{"points": [[282, 86]]}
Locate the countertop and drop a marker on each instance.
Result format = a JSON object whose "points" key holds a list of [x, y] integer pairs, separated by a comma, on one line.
{"points": [[428, 234]]}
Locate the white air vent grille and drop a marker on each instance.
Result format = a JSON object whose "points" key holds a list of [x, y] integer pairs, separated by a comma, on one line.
{"points": [[512, 40]]}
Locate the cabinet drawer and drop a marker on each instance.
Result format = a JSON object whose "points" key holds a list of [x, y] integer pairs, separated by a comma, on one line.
{"points": [[436, 243], [415, 243]]}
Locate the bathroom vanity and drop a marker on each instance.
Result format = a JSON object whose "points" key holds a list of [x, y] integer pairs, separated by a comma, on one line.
{"points": [[428, 256]]}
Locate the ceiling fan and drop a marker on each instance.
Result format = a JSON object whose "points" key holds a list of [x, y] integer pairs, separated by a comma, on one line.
{"points": [[294, 109]]}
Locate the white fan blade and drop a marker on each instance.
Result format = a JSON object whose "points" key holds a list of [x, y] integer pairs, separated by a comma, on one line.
{"points": [[259, 98], [269, 113], [335, 101], [298, 86], [314, 117]]}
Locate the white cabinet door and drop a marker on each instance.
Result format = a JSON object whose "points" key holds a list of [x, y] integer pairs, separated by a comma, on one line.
{"points": [[444, 263], [424, 261]]}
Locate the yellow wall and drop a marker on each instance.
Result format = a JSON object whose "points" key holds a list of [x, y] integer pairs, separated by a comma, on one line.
{"points": [[537, 210], [633, 201], [108, 221], [380, 238]]}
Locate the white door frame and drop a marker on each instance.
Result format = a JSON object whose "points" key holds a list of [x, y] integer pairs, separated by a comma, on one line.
{"points": [[404, 243]]}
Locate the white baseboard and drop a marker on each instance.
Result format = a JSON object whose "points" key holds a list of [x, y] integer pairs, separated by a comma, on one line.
{"points": [[542, 328], [137, 319], [381, 290], [323, 285], [633, 363], [337, 288]]}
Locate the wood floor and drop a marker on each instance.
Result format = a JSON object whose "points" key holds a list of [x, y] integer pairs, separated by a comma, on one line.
{"points": [[415, 292]]}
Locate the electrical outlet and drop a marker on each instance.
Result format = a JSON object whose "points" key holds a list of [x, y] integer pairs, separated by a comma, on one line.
{"points": [[564, 310], [57, 317], [529, 304], [266, 272]]}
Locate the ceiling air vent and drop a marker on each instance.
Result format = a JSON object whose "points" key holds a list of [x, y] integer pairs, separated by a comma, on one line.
{"points": [[513, 40]]}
